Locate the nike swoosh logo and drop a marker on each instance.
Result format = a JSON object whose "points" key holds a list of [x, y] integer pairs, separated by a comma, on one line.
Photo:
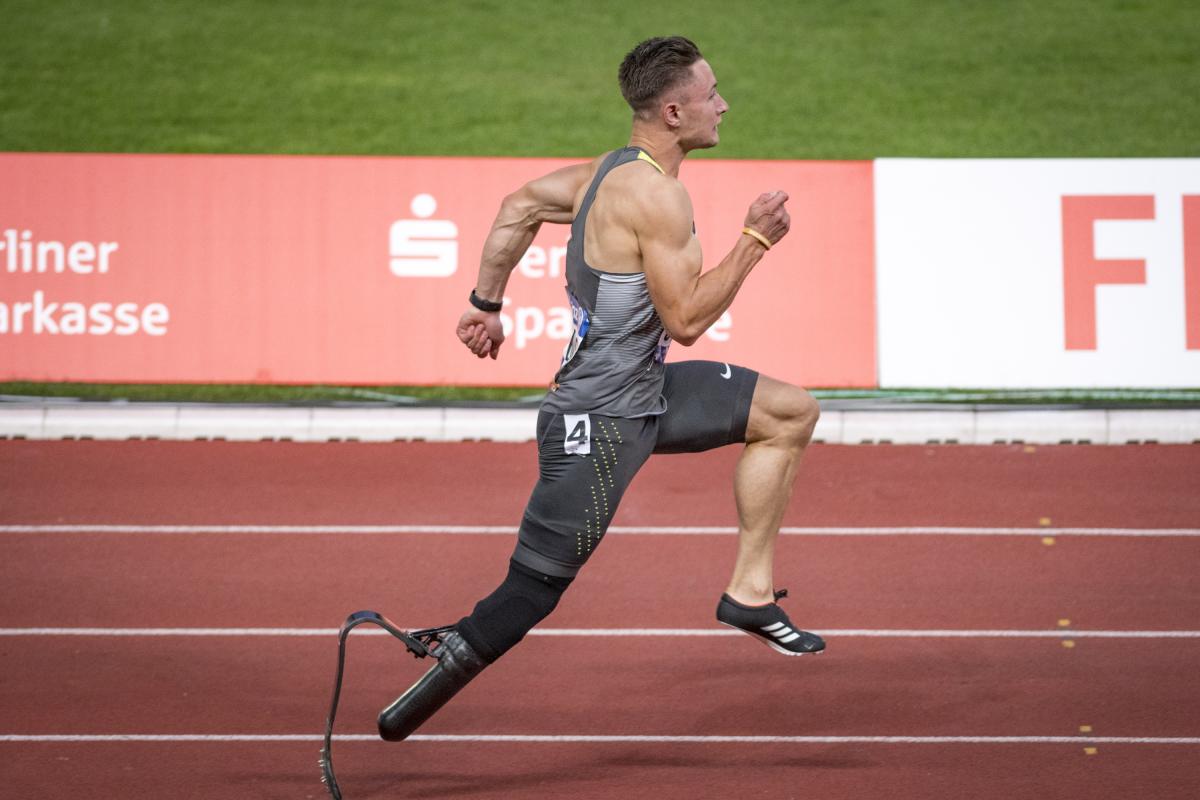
{"points": [[727, 372]]}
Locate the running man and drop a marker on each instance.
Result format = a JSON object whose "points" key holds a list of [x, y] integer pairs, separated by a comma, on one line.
{"points": [[635, 284]]}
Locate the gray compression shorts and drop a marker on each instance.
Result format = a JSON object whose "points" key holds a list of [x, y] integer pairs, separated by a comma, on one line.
{"points": [[586, 461]]}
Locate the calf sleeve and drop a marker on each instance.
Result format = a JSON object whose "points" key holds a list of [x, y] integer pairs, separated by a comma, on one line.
{"points": [[502, 619]]}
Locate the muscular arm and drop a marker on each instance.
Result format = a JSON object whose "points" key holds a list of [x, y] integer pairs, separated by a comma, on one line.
{"points": [[550, 198], [687, 300]]}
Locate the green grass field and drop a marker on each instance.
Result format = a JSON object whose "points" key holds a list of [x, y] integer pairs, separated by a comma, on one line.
{"points": [[411, 395], [805, 80], [820, 79]]}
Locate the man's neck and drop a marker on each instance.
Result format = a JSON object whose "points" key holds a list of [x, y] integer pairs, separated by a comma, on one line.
{"points": [[662, 147]]}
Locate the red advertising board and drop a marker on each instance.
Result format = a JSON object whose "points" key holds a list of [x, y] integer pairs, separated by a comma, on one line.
{"points": [[163, 268]]}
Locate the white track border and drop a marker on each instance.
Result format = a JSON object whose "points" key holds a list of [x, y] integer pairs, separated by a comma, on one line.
{"points": [[971, 425], [599, 739], [672, 530], [901, 633]]}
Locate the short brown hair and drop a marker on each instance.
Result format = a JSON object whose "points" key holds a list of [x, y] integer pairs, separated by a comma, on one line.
{"points": [[654, 66]]}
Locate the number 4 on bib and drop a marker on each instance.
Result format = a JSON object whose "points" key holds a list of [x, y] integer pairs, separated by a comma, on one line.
{"points": [[579, 434]]}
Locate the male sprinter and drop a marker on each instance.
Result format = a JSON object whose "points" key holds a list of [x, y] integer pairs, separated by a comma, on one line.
{"points": [[635, 283]]}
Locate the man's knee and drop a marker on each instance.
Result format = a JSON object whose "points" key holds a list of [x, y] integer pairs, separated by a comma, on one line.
{"points": [[802, 413], [784, 413], [806, 412]]}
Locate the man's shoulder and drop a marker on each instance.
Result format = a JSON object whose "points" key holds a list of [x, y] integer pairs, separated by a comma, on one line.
{"points": [[659, 197], [647, 187]]}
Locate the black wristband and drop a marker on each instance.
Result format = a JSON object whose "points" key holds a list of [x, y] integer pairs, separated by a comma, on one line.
{"points": [[485, 305]]}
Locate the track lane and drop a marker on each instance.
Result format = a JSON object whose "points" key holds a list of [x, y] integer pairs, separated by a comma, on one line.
{"points": [[281, 482], [281, 580], [374, 771], [711, 686]]}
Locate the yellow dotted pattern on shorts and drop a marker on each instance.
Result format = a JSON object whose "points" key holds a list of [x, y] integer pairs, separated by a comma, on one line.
{"points": [[594, 522]]}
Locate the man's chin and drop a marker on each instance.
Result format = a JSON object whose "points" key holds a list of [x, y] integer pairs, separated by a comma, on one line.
{"points": [[704, 144]]}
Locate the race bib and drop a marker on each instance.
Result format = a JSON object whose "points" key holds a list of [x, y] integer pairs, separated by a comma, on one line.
{"points": [[664, 344], [580, 321], [579, 434]]}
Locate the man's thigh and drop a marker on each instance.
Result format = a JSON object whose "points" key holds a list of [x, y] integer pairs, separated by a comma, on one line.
{"points": [[708, 405], [585, 463]]}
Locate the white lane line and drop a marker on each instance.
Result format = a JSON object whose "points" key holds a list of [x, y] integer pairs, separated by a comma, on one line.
{"points": [[617, 529], [1058, 633], [520, 738]]}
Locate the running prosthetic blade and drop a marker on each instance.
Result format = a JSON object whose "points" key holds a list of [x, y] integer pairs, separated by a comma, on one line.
{"points": [[421, 643], [770, 625]]}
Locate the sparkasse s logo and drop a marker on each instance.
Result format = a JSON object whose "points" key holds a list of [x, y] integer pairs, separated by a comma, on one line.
{"points": [[424, 247]]}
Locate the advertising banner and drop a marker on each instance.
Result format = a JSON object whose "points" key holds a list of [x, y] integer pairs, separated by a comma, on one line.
{"points": [[352, 270], [1038, 273]]}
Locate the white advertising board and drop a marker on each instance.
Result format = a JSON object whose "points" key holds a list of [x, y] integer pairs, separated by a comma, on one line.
{"points": [[1038, 273]]}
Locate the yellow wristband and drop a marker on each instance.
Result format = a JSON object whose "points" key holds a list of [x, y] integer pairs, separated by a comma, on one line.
{"points": [[751, 232]]}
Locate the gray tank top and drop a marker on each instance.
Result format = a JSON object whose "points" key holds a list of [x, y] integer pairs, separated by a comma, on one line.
{"points": [[613, 363]]}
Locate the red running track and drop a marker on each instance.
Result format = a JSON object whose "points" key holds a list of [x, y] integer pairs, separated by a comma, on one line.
{"points": [[696, 685]]}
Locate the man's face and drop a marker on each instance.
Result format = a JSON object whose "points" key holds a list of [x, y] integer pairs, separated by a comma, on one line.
{"points": [[701, 107]]}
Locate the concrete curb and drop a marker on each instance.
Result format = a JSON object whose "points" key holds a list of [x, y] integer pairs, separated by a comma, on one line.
{"points": [[961, 425]]}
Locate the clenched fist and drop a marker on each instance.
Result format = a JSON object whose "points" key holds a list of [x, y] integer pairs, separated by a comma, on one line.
{"points": [[481, 332], [768, 216]]}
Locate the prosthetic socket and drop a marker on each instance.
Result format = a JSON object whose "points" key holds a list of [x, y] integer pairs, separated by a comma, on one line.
{"points": [[498, 622]]}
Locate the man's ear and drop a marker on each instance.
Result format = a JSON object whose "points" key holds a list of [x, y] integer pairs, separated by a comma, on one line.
{"points": [[670, 115]]}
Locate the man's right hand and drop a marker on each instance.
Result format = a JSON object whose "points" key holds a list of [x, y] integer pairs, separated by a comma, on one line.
{"points": [[768, 216], [481, 332]]}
